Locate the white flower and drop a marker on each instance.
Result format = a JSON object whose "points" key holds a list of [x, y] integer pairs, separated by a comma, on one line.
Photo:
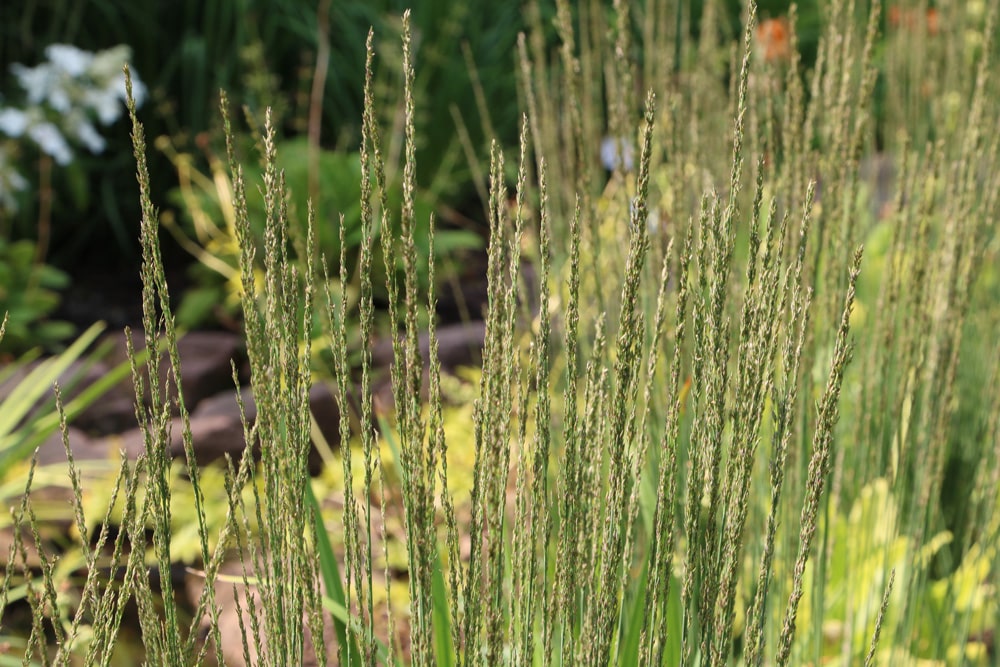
{"points": [[51, 141], [11, 180], [13, 122], [106, 70], [60, 99], [66, 95], [615, 153], [107, 64], [105, 104], [46, 84], [69, 59], [36, 81], [82, 130], [31, 123], [108, 102], [90, 137]]}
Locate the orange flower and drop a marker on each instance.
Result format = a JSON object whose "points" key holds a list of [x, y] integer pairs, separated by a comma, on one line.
{"points": [[897, 16], [774, 39], [933, 21], [910, 20]]}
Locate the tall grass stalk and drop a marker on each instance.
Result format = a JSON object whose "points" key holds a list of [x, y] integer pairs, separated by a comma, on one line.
{"points": [[646, 489]]}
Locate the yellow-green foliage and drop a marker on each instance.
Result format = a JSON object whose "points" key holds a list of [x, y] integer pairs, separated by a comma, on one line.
{"points": [[185, 542], [865, 544]]}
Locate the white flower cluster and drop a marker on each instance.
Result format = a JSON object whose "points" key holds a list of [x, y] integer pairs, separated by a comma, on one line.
{"points": [[63, 99], [617, 153]]}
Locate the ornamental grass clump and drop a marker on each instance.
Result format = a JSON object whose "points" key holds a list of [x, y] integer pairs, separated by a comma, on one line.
{"points": [[724, 435]]}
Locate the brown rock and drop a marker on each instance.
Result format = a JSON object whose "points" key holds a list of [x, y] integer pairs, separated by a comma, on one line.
{"points": [[212, 437], [84, 448], [458, 345], [206, 358], [217, 427]]}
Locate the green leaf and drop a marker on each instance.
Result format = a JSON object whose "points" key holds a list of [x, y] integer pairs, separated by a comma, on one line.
{"points": [[51, 277], [632, 619], [330, 571], [450, 241], [16, 442], [22, 253], [53, 331], [342, 615], [79, 185], [197, 305], [444, 650]]}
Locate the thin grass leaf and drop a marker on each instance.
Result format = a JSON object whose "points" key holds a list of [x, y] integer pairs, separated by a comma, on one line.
{"points": [[332, 582]]}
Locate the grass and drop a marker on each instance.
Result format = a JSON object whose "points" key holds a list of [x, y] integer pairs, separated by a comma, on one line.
{"points": [[728, 433]]}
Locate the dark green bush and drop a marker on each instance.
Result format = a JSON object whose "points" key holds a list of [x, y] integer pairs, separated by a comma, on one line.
{"points": [[28, 294]]}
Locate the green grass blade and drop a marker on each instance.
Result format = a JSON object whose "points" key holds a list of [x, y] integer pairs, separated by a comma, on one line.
{"points": [[342, 615], [330, 571], [632, 619], [48, 424], [15, 443], [444, 650]]}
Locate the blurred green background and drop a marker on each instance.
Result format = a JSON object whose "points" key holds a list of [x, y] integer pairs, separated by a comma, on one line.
{"points": [[268, 53]]}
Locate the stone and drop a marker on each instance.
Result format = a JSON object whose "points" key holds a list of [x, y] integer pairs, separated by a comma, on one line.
{"points": [[217, 427], [111, 413], [29, 558], [321, 401], [879, 172], [206, 363], [212, 437], [83, 447], [51, 497], [458, 345]]}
